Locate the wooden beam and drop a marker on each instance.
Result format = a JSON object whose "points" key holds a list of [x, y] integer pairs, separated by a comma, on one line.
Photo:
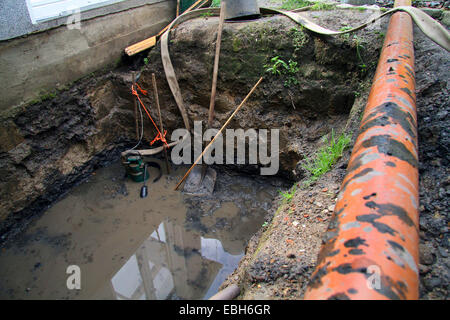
{"points": [[140, 46], [150, 42]]}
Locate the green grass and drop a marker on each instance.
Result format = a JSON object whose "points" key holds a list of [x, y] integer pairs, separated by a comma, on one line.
{"points": [[327, 155], [295, 4], [215, 3], [345, 35], [320, 6], [289, 194], [345, 28], [206, 14], [43, 97], [380, 34], [362, 9]]}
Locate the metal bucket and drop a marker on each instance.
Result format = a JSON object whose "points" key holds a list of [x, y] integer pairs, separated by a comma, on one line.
{"points": [[241, 9]]}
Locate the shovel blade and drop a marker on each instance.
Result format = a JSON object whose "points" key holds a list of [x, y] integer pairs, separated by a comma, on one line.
{"points": [[197, 186]]}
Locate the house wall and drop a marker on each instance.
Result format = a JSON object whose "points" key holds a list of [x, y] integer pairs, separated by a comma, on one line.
{"points": [[56, 55]]}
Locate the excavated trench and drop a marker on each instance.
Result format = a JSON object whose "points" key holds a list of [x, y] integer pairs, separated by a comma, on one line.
{"points": [[65, 200]]}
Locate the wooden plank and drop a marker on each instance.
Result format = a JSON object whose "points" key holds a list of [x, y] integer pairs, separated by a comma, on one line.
{"points": [[150, 42], [140, 46]]}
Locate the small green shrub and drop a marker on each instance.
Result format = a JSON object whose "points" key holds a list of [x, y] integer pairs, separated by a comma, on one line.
{"points": [[43, 97], [327, 155], [289, 194], [279, 67], [359, 47], [299, 38], [276, 66]]}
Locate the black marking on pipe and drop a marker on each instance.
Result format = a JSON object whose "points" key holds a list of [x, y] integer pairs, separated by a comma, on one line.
{"points": [[352, 291], [316, 279], [338, 296], [370, 196], [359, 174], [355, 242], [356, 252], [409, 72], [395, 245], [391, 210], [387, 286], [391, 147], [381, 227], [408, 92], [386, 282], [355, 163], [333, 253], [346, 268], [391, 110], [390, 164], [391, 60]]}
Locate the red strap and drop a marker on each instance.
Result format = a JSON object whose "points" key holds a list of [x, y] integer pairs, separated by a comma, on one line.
{"points": [[159, 136]]}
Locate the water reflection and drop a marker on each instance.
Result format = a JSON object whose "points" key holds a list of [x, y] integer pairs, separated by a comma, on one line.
{"points": [[174, 264], [166, 246]]}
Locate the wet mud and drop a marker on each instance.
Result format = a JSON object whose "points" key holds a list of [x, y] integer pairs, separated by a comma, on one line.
{"points": [[165, 246]]}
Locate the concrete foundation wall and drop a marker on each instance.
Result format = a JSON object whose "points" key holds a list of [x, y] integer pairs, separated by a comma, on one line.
{"points": [[38, 63]]}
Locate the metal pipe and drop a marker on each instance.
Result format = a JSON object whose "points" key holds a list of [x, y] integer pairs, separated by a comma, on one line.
{"points": [[370, 250], [228, 293]]}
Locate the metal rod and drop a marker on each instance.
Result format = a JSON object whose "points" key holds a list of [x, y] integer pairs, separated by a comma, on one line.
{"points": [[370, 250], [220, 131], [214, 79], [135, 107], [155, 91], [216, 66]]}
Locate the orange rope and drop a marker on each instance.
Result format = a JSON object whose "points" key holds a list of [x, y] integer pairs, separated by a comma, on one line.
{"points": [[159, 136]]}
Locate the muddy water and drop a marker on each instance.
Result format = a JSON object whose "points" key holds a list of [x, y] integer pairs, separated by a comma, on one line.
{"points": [[166, 246]]}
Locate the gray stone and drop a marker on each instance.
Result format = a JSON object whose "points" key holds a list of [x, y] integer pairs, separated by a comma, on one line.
{"points": [[426, 256], [443, 252], [423, 269], [434, 13], [432, 283], [446, 18]]}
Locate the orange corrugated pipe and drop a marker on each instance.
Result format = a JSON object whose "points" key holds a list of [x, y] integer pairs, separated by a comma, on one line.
{"points": [[370, 250]]}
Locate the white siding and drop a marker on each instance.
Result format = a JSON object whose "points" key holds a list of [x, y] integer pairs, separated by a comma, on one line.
{"points": [[43, 10]]}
